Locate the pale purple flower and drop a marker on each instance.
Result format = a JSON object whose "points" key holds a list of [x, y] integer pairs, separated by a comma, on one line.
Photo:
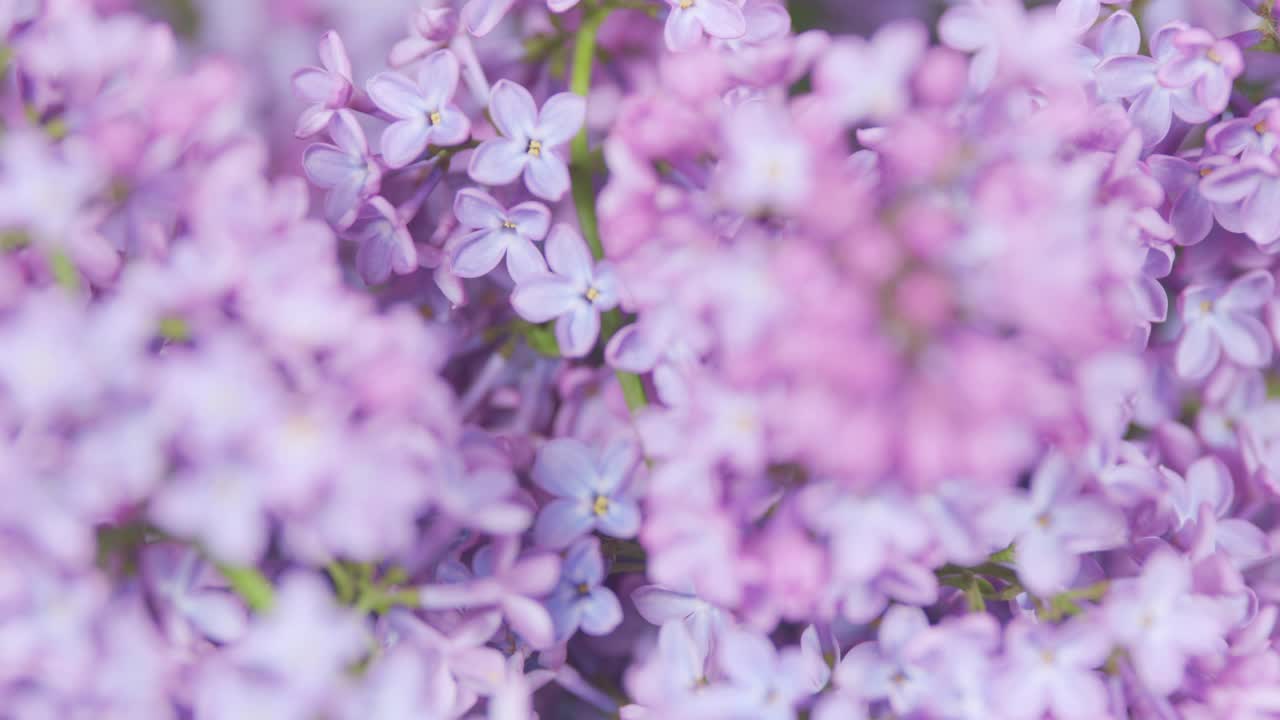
{"points": [[222, 505], [430, 26], [191, 606], [424, 111], [1258, 133], [870, 79], [574, 293], [327, 88], [1152, 103], [530, 140], [975, 27], [1161, 622], [888, 669], [483, 498], [702, 620], [1051, 670], [406, 683], [385, 243], [581, 600], [480, 17], [346, 169], [1245, 195], [1080, 15], [764, 683], [688, 20], [1190, 212], [1206, 65], [1056, 524], [506, 580], [1203, 503], [1221, 318], [464, 656], [493, 231], [669, 679], [590, 490]]}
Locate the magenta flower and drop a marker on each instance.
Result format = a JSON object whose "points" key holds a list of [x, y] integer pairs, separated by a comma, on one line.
{"points": [[590, 492], [346, 169], [425, 111], [1206, 65], [529, 140], [385, 244], [494, 232], [574, 293], [689, 19], [1221, 318], [327, 88], [1162, 624], [1051, 670], [581, 599], [1056, 524]]}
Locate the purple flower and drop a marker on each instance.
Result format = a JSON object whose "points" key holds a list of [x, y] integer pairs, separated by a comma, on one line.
{"points": [[425, 112], [494, 231], [1153, 104], [1203, 504], [1190, 212], [581, 599], [670, 678], [482, 498], [1245, 195], [689, 19], [882, 90], [764, 683], [1161, 622], [429, 28], [347, 170], [1206, 65], [327, 88], [1051, 670], [574, 293], [480, 17], [1258, 133], [888, 669], [590, 492], [702, 620], [1056, 524], [1219, 319], [529, 140], [385, 244]]}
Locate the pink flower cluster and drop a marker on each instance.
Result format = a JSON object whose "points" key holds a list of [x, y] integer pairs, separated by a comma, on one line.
{"points": [[642, 359]]}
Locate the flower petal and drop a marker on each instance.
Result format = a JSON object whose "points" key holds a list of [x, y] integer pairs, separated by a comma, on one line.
{"points": [[721, 18], [477, 209], [513, 110], [348, 135], [1119, 35], [404, 141], [563, 467], [498, 161], [532, 219], [540, 299], [438, 79], [567, 254], [313, 119], [1124, 76], [1249, 291], [327, 166], [682, 31], [1198, 351], [965, 28], [524, 262], [530, 620], [1152, 114], [478, 253], [621, 519], [453, 129], [601, 612], [547, 176], [561, 118], [577, 330], [562, 521], [333, 54], [480, 17], [1245, 340]]}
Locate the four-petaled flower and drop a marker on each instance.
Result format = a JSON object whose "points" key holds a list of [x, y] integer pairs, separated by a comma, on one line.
{"points": [[345, 169], [425, 111], [581, 599], [327, 88], [590, 492], [1219, 319], [574, 293], [529, 140], [494, 231]]}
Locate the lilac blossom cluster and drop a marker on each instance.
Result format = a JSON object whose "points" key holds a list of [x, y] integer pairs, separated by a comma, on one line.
{"points": [[644, 359]]}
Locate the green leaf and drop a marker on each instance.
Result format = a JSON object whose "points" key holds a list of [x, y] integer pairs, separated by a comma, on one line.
{"points": [[250, 585]]}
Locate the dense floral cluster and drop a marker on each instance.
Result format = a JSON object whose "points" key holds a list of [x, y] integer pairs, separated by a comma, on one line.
{"points": [[642, 359]]}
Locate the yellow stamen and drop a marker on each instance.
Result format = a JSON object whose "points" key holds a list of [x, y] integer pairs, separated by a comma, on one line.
{"points": [[435, 117], [1206, 306], [592, 294], [1261, 127], [1205, 171], [508, 225], [1213, 56], [601, 505], [584, 589], [1044, 520], [535, 148], [686, 4]]}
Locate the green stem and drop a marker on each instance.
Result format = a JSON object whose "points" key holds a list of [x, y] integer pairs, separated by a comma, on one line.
{"points": [[250, 585], [584, 191]]}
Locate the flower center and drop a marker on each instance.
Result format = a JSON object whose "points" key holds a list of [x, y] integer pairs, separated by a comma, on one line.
{"points": [[592, 294], [584, 589], [686, 4], [1044, 520], [535, 148], [600, 505], [435, 117], [1206, 306], [1047, 656], [1213, 56], [1205, 171], [508, 225], [1261, 127]]}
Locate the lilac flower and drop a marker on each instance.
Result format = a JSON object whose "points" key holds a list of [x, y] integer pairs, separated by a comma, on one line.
{"points": [[1055, 525], [1220, 319], [222, 506], [463, 654], [327, 88], [1158, 619], [505, 580], [894, 51], [1051, 670], [347, 170], [431, 26], [689, 19], [425, 112], [574, 293], [385, 244], [670, 678], [1244, 196], [590, 492], [581, 599], [888, 669], [702, 620], [1080, 15], [764, 683], [529, 140], [1206, 65], [480, 17], [482, 498], [1203, 502], [493, 231], [1190, 212], [1257, 133], [1136, 77]]}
